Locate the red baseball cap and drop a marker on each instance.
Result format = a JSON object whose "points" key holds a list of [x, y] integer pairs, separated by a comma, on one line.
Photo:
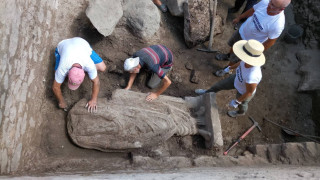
{"points": [[76, 76]]}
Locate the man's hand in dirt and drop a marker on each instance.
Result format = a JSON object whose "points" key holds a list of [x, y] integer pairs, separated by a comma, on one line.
{"points": [[127, 88], [63, 105], [152, 96], [92, 106]]}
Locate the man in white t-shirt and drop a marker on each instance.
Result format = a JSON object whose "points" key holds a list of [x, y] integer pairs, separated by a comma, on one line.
{"points": [[265, 24], [247, 77], [74, 57]]}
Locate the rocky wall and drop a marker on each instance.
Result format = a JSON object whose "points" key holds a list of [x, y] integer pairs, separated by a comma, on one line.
{"points": [[28, 34], [307, 13]]}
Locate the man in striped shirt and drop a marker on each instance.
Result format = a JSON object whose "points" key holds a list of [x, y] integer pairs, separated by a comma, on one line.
{"points": [[156, 58]]}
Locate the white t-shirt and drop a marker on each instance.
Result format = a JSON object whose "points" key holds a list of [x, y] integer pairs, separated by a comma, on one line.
{"points": [[245, 75], [261, 26], [74, 50]]}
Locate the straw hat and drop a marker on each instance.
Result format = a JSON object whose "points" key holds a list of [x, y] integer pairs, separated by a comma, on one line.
{"points": [[251, 52]]}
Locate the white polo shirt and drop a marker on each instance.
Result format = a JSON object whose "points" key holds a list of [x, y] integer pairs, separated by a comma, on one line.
{"points": [[71, 51]]}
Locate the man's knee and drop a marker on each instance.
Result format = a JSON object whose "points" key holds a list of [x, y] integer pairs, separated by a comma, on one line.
{"points": [[152, 85], [101, 67]]}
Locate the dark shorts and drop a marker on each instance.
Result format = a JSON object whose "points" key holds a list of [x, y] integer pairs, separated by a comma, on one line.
{"points": [[94, 56], [234, 38]]}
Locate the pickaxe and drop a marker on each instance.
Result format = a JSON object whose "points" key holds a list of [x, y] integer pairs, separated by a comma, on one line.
{"points": [[213, 9], [255, 124]]}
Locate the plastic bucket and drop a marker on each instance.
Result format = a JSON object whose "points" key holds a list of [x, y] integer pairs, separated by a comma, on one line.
{"points": [[293, 33]]}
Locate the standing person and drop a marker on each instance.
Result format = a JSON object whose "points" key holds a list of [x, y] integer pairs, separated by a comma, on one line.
{"points": [[247, 77], [265, 24], [156, 58], [74, 57]]}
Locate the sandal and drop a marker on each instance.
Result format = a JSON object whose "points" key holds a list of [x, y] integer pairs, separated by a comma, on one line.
{"points": [[222, 57], [163, 8]]}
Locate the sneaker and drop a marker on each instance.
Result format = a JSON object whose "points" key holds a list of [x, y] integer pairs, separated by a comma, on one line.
{"points": [[200, 91], [235, 114], [222, 57], [220, 73]]}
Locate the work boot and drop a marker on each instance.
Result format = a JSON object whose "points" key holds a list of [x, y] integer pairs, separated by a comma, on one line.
{"points": [[235, 114], [222, 57], [200, 91]]}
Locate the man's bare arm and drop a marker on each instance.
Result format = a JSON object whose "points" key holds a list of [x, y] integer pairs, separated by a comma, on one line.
{"points": [[131, 80], [92, 104], [56, 87], [268, 43], [155, 95], [244, 15]]}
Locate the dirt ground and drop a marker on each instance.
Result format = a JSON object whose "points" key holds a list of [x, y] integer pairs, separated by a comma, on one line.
{"points": [[276, 98]]}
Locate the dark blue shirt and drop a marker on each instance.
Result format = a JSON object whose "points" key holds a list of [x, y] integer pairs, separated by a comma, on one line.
{"points": [[155, 57]]}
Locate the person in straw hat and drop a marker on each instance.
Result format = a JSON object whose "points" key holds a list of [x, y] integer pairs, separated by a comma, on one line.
{"points": [[265, 23], [156, 58], [247, 77]]}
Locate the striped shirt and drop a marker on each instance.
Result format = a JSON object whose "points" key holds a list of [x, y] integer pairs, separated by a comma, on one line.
{"points": [[155, 57]]}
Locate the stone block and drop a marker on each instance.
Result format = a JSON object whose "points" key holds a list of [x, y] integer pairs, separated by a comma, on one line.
{"points": [[104, 15], [128, 122], [142, 17], [197, 22]]}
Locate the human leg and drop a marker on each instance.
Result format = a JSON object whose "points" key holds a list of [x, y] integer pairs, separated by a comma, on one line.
{"points": [[160, 5], [234, 38], [100, 65], [243, 107], [237, 6], [155, 80], [225, 84]]}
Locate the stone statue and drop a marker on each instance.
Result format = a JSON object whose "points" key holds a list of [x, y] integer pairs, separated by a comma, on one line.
{"points": [[127, 121]]}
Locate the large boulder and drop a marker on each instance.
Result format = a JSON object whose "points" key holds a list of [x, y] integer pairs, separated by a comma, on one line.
{"points": [[176, 7], [197, 22], [104, 15], [309, 68], [128, 121], [142, 16]]}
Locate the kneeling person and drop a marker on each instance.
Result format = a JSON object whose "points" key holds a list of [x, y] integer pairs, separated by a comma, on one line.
{"points": [[247, 77], [74, 57], [156, 58]]}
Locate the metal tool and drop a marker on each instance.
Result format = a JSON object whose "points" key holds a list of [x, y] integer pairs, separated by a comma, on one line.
{"points": [[255, 124], [213, 16], [291, 130]]}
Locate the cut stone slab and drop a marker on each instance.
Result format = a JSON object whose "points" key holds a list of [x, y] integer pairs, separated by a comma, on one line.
{"points": [[104, 15], [309, 67], [197, 22], [142, 17], [206, 110], [176, 7], [128, 121], [289, 153]]}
